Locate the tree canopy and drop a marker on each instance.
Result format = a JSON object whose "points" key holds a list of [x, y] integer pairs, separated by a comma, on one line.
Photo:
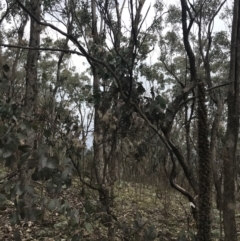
{"points": [[96, 94]]}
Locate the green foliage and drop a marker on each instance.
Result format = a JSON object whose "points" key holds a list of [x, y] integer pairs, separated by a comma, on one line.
{"points": [[174, 15], [6, 68], [17, 153], [152, 68]]}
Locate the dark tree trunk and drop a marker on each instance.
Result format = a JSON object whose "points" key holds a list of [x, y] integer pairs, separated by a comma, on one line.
{"points": [[204, 170], [229, 157], [204, 162]]}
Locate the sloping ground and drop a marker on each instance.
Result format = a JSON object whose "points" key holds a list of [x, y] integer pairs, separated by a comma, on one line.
{"points": [[141, 215]]}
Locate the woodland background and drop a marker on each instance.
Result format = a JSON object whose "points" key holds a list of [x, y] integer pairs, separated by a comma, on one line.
{"points": [[134, 139]]}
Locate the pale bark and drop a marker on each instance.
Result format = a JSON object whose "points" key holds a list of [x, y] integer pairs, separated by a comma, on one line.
{"points": [[13, 76], [216, 166], [33, 55], [31, 97]]}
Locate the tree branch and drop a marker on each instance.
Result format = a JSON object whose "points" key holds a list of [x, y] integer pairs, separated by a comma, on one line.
{"points": [[83, 52], [43, 49], [7, 11]]}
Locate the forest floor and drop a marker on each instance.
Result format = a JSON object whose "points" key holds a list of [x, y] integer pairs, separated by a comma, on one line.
{"points": [[142, 214]]}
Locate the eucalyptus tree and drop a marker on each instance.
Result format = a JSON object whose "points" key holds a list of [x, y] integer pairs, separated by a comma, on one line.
{"points": [[39, 127], [30, 81], [207, 48], [204, 54], [229, 155], [119, 64], [115, 51], [10, 58]]}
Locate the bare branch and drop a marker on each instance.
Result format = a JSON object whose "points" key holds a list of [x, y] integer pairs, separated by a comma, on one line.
{"points": [[187, 45], [218, 86], [43, 49], [80, 47], [122, 7], [7, 12]]}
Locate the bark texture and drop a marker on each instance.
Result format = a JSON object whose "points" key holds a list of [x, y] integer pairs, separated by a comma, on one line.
{"points": [[30, 100], [229, 155], [33, 55], [204, 168], [204, 162]]}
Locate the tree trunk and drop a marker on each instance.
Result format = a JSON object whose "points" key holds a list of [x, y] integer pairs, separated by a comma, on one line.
{"points": [[229, 155], [30, 99], [204, 170], [216, 164], [32, 58], [204, 162], [98, 142], [12, 77]]}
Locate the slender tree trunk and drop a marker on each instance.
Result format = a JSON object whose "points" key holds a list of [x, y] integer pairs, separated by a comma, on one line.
{"points": [[33, 55], [98, 130], [231, 139], [204, 162], [216, 167], [30, 98], [98, 138], [204, 170], [12, 77], [98, 146]]}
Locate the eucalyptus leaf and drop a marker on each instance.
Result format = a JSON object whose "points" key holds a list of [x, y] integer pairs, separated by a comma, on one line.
{"points": [[47, 133], [23, 159], [52, 162], [35, 176], [42, 161], [26, 125], [88, 87], [160, 100], [65, 175], [2, 198], [88, 227], [7, 153], [46, 173], [9, 161], [52, 205], [6, 67], [24, 148]]}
